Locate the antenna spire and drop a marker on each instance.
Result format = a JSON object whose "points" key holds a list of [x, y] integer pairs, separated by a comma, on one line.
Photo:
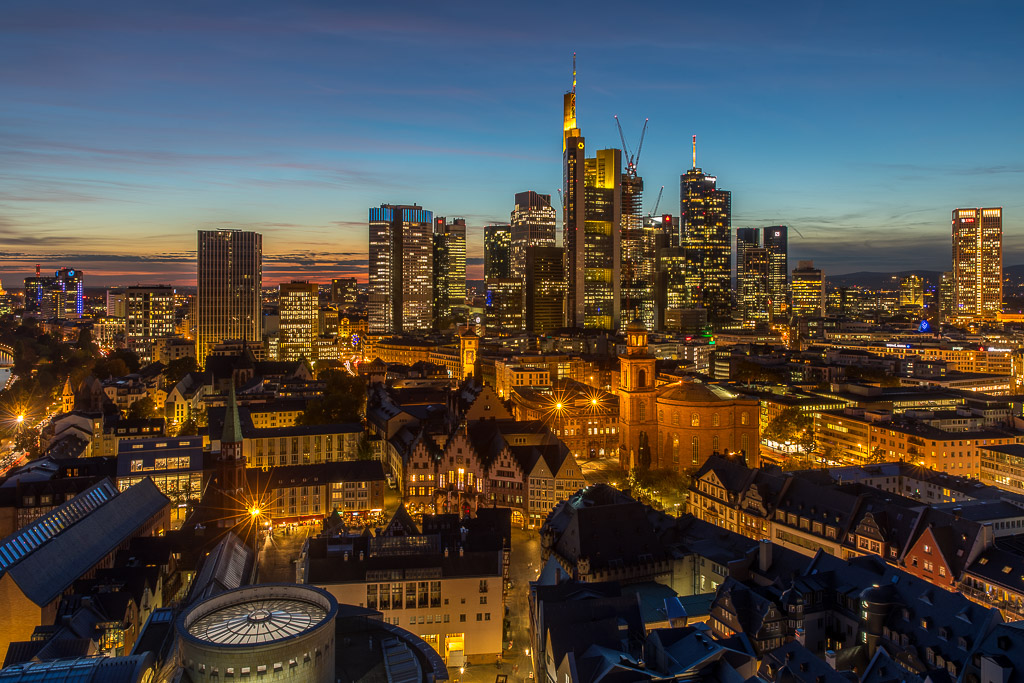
{"points": [[573, 73], [695, 151]]}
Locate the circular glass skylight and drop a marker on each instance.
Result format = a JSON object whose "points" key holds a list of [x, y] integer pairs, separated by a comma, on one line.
{"points": [[254, 622]]}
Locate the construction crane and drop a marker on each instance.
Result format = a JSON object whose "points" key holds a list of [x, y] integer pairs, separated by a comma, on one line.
{"points": [[631, 159], [657, 202]]}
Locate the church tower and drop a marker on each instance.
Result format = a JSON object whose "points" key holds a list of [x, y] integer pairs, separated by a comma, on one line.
{"points": [[230, 470], [469, 350], [638, 424]]}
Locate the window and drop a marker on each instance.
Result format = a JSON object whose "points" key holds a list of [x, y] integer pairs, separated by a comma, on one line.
{"points": [[715, 421], [641, 410], [462, 617], [696, 449], [695, 420], [744, 418]]}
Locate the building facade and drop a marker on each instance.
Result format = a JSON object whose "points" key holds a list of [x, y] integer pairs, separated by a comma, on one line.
{"points": [[149, 316], [401, 297], [706, 223], [978, 263], [533, 225], [229, 280], [808, 290], [298, 329]]}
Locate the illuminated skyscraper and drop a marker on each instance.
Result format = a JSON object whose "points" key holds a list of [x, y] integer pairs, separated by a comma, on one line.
{"points": [[450, 272], [544, 289], [671, 283], [978, 263], [706, 224], [947, 297], [497, 251], [401, 284], [752, 288], [591, 226], [776, 243], [60, 296], [808, 294], [533, 225], [638, 257], [229, 280], [912, 293], [746, 238], [149, 315], [299, 326]]}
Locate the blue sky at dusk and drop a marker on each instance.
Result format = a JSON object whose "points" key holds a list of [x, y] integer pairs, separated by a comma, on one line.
{"points": [[124, 127]]}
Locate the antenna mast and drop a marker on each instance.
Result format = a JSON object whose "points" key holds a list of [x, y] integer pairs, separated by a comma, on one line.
{"points": [[573, 73], [695, 151]]}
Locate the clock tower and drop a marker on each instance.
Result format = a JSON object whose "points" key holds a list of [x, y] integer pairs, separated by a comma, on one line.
{"points": [[469, 350], [638, 424]]}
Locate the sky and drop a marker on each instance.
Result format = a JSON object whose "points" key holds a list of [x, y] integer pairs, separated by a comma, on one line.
{"points": [[127, 126]]}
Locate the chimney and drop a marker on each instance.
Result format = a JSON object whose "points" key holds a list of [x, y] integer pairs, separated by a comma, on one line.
{"points": [[830, 658], [764, 555], [461, 551], [446, 552], [360, 555]]}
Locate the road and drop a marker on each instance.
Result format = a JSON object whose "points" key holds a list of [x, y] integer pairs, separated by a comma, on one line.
{"points": [[523, 568]]}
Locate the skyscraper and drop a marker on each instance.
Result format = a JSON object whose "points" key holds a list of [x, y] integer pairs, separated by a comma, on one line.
{"points": [[68, 293], [450, 240], [776, 242], [504, 303], [746, 238], [706, 224], [149, 315], [591, 225], [544, 289], [229, 280], [401, 269], [808, 290], [533, 225], [299, 320], [638, 256], [752, 291], [978, 263], [497, 251]]}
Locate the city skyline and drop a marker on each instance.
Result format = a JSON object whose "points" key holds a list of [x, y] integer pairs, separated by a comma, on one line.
{"points": [[821, 120]]}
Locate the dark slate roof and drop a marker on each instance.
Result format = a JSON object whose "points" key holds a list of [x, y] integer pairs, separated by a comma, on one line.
{"points": [[50, 568], [232, 432], [314, 474]]}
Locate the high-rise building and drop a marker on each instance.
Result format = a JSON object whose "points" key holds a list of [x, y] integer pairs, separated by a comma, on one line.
{"points": [[545, 289], [638, 256], [808, 291], [533, 225], [706, 223], [299, 320], [401, 269], [671, 283], [746, 238], [344, 291], [449, 268], [591, 226], [149, 315], [753, 287], [978, 263], [776, 242], [60, 296], [947, 297], [912, 292], [116, 303], [229, 282], [504, 305], [497, 251]]}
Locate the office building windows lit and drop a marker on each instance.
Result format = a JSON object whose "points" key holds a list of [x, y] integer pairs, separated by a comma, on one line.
{"points": [[978, 263], [229, 280], [299, 325]]}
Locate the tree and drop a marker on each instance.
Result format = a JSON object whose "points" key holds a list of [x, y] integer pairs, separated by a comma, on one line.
{"points": [[85, 341], [178, 368], [130, 358], [794, 426], [108, 367], [363, 449], [143, 409], [343, 400]]}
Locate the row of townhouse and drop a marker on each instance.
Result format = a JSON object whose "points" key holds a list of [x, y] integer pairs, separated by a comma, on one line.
{"points": [[876, 513]]}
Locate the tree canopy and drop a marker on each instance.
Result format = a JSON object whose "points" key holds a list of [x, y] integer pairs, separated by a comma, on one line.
{"points": [[794, 426], [343, 399]]}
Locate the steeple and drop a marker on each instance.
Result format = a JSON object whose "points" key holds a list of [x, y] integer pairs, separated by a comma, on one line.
{"points": [[232, 425]]}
